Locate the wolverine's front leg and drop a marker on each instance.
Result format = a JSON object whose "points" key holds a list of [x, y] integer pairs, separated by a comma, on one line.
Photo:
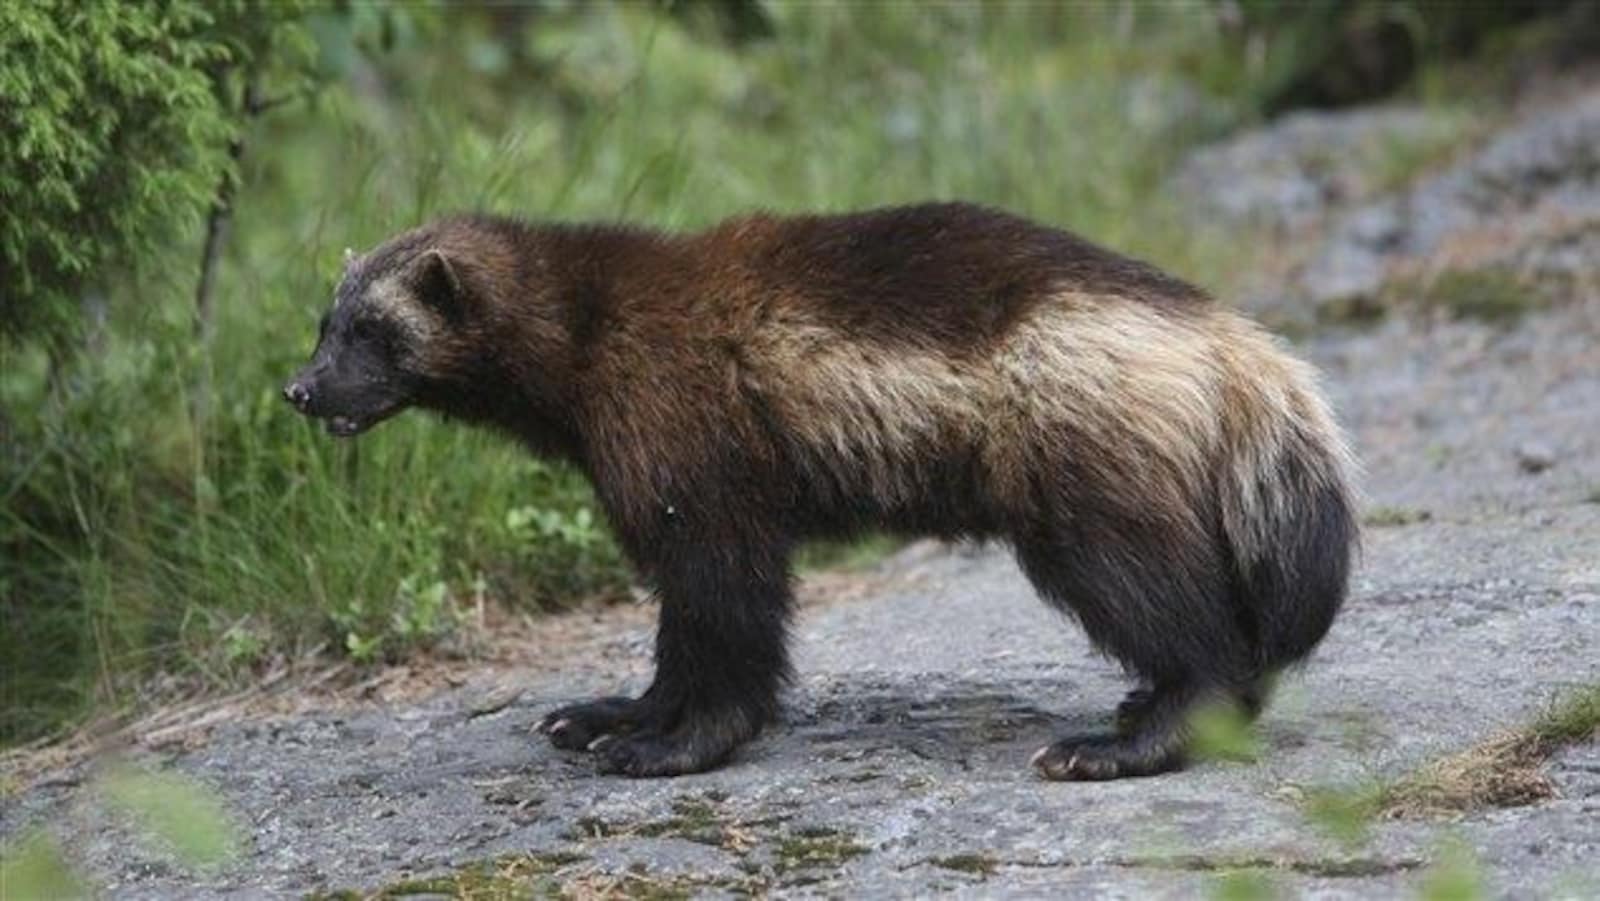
{"points": [[720, 659]]}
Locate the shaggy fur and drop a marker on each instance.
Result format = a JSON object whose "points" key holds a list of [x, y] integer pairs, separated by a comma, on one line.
{"points": [[1164, 471]]}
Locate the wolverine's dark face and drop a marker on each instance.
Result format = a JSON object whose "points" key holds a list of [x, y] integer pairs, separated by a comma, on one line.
{"points": [[371, 351]]}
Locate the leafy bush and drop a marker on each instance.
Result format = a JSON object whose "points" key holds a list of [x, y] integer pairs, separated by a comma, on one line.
{"points": [[119, 118], [1331, 53]]}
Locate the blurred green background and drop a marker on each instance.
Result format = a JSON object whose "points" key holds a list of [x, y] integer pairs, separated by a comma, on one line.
{"points": [[178, 182]]}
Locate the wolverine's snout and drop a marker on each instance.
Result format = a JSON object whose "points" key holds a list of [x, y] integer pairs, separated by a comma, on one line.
{"points": [[298, 394], [346, 406]]}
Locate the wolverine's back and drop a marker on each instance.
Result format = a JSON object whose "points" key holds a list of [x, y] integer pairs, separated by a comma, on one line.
{"points": [[954, 274]]}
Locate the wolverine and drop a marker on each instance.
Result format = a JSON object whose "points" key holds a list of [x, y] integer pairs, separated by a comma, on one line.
{"points": [[1162, 469]]}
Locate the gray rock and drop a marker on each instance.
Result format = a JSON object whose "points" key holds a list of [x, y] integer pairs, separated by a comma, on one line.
{"points": [[1303, 167], [1534, 458], [1527, 199], [1524, 192]]}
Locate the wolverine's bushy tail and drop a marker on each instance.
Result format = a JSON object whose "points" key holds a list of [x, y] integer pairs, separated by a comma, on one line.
{"points": [[1288, 512]]}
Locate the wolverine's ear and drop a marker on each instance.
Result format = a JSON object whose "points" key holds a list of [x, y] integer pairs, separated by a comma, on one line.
{"points": [[438, 286]]}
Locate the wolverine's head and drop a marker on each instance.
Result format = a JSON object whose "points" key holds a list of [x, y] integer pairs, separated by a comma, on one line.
{"points": [[395, 312]]}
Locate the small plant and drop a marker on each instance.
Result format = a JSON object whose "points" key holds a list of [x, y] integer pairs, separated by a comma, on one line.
{"points": [[417, 615], [1395, 516], [1493, 294], [422, 613], [34, 867], [1244, 885], [1506, 770], [847, 555], [1454, 876], [1223, 732], [1345, 814], [185, 816], [180, 815], [977, 864], [563, 550], [816, 847], [1574, 717], [242, 645]]}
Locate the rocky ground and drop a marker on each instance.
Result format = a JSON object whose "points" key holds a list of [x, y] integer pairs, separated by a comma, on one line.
{"points": [[901, 766]]}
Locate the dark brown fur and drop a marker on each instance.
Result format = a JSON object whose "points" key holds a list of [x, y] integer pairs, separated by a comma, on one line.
{"points": [[1162, 470]]}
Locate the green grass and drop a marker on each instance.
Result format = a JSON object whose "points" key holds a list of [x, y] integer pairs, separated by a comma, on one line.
{"points": [[1396, 162], [1503, 770], [981, 865], [1492, 294], [816, 848], [1383, 516], [178, 819], [1574, 717], [34, 866]]}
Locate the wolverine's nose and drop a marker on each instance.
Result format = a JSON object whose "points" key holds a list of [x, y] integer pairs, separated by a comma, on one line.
{"points": [[298, 394]]}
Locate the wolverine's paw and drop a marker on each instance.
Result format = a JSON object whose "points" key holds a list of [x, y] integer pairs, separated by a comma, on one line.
{"points": [[581, 727], [1101, 757], [654, 755], [698, 742]]}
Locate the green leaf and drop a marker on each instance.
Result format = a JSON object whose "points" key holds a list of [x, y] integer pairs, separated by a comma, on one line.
{"points": [[1454, 876], [35, 868], [1223, 732], [1344, 814], [179, 811], [1244, 885]]}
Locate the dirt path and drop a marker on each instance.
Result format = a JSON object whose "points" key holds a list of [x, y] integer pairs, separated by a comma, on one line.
{"points": [[900, 768]]}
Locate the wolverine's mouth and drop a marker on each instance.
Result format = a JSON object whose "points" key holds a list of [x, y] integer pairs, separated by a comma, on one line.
{"points": [[346, 426]]}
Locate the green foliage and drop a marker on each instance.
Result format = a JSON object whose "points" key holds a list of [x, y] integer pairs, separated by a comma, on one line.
{"points": [[1494, 294], [1385, 516], [981, 865], [1244, 885], [846, 554], [1345, 814], [1326, 53], [187, 818], [183, 817], [118, 120], [1223, 732], [1454, 876], [33, 868], [1572, 717]]}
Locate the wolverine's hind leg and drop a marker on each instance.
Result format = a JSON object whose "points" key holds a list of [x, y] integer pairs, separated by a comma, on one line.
{"points": [[1155, 742], [1140, 702], [1163, 609], [1131, 712]]}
